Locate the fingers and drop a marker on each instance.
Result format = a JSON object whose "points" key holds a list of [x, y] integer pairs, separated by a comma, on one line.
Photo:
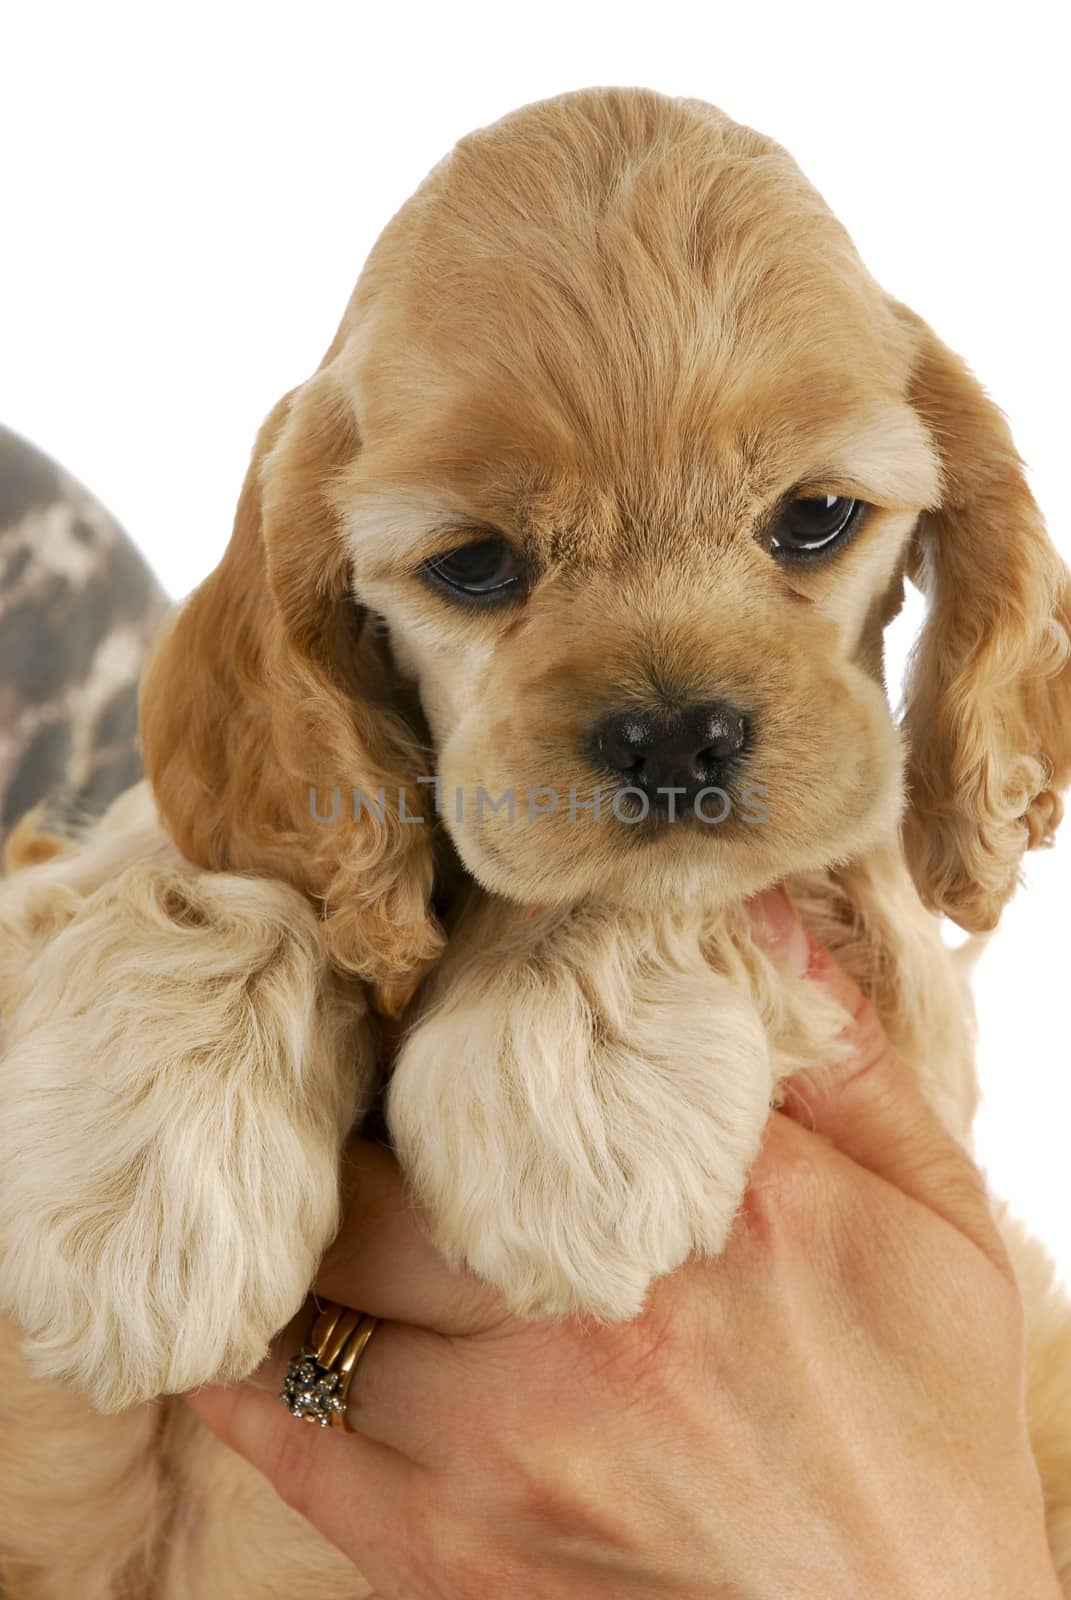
{"points": [[869, 1106], [384, 1263], [348, 1486], [393, 1397]]}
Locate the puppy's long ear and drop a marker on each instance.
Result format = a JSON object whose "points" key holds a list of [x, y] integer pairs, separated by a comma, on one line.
{"points": [[271, 684], [988, 707]]}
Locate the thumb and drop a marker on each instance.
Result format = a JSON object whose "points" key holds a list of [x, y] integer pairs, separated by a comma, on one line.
{"points": [[868, 1105]]}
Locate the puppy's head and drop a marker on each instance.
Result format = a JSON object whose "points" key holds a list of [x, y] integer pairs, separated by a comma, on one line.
{"points": [[594, 513]]}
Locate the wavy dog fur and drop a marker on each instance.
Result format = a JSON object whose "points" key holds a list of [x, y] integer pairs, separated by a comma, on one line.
{"points": [[620, 333]]}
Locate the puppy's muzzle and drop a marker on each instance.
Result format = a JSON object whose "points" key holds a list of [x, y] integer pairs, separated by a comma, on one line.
{"points": [[666, 755]]}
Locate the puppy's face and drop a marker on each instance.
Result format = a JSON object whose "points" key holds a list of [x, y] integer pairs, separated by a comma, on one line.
{"points": [[628, 452], [632, 498]]}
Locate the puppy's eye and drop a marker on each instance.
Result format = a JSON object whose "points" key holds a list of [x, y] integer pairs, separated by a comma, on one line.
{"points": [[488, 571], [810, 524]]}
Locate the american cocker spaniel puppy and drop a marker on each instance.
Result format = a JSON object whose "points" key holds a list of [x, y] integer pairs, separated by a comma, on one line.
{"points": [[550, 631]]}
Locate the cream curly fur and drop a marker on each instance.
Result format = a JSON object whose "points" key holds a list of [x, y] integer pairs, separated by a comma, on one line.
{"points": [[179, 1059], [580, 1102], [620, 329]]}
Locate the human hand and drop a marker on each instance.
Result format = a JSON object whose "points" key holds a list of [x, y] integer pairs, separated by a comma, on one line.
{"points": [[833, 1408]]}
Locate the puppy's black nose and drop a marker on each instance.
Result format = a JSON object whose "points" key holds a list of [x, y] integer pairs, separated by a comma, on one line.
{"points": [[687, 751]]}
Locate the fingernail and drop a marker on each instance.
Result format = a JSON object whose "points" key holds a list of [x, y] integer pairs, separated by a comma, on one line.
{"points": [[776, 925]]}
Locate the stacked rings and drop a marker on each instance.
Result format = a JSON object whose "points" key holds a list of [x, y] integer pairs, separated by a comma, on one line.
{"points": [[318, 1378]]}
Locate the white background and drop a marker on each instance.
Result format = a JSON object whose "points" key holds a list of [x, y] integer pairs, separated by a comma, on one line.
{"points": [[189, 193]]}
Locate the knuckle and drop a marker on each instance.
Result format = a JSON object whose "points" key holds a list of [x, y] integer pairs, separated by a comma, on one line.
{"points": [[786, 1204], [964, 1192], [647, 1356]]}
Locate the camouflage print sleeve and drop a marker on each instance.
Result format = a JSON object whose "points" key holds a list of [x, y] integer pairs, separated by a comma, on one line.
{"points": [[78, 606]]}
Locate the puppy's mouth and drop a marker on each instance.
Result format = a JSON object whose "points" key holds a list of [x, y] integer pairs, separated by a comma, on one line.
{"points": [[719, 808], [623, 815]]}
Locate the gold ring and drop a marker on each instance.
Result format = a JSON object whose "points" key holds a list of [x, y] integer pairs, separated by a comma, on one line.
{"points": [[317, 1382]]}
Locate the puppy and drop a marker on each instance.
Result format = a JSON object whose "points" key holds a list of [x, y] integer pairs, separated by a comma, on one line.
{"points": [[550, 631]]}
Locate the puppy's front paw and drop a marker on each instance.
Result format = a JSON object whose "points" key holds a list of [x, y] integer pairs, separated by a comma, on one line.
{"points": [[174, 1089], [577, 1128]]}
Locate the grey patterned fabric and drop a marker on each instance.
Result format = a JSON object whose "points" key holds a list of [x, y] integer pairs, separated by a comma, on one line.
{"points": [[78, 606]]}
